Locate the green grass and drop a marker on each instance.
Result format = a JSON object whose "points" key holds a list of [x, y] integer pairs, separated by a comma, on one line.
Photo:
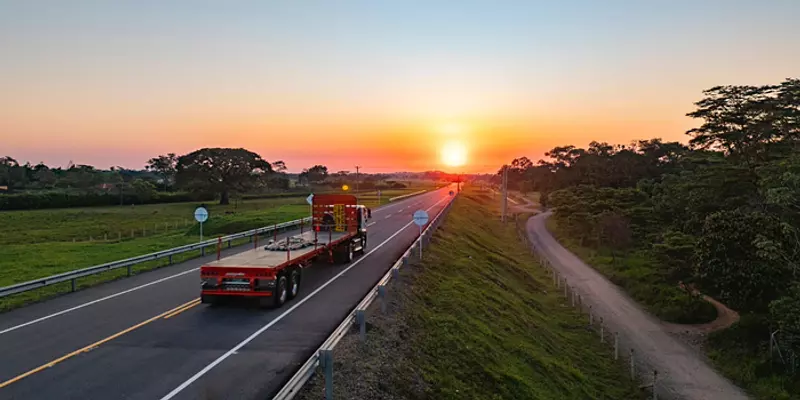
{"points": [[39, 243], [485, 322], [741, 352], [637, 273]]}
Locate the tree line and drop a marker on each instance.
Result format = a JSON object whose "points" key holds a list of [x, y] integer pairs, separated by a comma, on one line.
{"points": [[204, 174], [721, 212]]}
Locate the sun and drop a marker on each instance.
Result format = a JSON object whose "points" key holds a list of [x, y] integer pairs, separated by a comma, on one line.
{"points": [[454, 154]]}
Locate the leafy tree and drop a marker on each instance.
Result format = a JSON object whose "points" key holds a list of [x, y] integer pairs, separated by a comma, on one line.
{"points": [[315, 174], [143, 189], [785, 312], [165, 166], [615, 232], [221, 170], [731, 261], [279, 166], [744, 120]]}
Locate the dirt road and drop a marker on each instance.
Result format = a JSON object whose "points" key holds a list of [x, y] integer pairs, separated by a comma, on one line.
{"points": [[682, 372]]}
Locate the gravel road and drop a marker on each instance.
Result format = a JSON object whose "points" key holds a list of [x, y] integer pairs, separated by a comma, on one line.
{"points": [[682, 372]]}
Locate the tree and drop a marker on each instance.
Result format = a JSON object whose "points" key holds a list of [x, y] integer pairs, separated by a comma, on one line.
{"points": [[785, 312], [279, 167], [165, 166], [744, 120], [731, 261], [144, 190], [615, 232], [221, 170], [315, 174]]}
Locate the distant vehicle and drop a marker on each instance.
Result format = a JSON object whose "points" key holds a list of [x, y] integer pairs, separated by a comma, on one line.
{"points": [[272, 274]]}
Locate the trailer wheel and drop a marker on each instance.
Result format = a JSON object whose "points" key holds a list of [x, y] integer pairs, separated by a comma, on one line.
{"points": [[349, 254], [280, 293], [294, 283]]}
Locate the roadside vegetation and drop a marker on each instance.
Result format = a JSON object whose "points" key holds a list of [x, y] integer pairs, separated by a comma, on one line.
{"points": [[477, 319], [720, 215]]}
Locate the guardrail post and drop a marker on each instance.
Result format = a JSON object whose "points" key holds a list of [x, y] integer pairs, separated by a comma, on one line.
{"points": [[405, 261], [229, 243], [382, 296], [395, 273], [170, 259], [602, 336], [655, 378], [130, 270], [203, 251], [633, 368], [326, 362], [361, 320], [72, 281]]}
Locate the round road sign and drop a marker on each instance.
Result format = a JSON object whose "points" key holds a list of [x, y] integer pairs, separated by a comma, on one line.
{"points": [[345, 188], [201, 214], [420, 217]]}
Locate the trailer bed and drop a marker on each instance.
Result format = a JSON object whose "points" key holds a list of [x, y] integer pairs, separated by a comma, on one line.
{"points": [[260, 258]]}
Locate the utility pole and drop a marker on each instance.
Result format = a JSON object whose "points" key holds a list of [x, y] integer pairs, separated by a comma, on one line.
{"points": [[357, 168], [505, 191]]}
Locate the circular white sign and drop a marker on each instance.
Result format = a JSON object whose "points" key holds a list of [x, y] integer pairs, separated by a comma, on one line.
{"points": [[201, 214], [420, 217]]}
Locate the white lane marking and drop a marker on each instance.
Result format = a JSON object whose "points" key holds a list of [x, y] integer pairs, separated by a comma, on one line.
{"points": [[388, 216], [109, 297], [370, 224], [95, 301], [250, 338]]}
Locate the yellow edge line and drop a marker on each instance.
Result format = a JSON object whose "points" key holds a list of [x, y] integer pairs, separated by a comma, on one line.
{"points": [[182, 309], [91, 346]]}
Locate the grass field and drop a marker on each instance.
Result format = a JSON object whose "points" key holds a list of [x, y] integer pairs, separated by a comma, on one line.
{"points": [[39, 243], [636, 272], [477, 319]]}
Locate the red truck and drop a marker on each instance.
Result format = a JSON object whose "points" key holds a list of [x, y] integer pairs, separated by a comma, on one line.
{"points": [[272, 274]]}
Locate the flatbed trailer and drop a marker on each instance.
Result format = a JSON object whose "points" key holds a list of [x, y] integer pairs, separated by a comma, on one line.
{"points": [[272, 274]]}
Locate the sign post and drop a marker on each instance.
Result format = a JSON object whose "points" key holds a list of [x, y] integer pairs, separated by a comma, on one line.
{"points": [[201, 215], [310, 201], [420, 218]]}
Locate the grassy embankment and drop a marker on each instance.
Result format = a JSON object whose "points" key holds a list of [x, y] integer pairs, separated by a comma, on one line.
{"points": [[477, 319], [636, 272], [740, 352], [39, 243]]}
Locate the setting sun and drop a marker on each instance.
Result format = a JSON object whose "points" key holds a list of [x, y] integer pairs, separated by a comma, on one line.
{"points": [[454, 154]]}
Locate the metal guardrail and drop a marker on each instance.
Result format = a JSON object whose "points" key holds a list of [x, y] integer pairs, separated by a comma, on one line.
{"points": [[130, 262], [293, 386]]}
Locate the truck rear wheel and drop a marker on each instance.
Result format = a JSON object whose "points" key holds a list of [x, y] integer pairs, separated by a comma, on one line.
{"points": [[294, 283], [280, 293]]}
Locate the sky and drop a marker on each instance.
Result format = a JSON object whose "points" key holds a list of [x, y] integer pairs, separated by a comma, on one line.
{"points": [[385, 85]]}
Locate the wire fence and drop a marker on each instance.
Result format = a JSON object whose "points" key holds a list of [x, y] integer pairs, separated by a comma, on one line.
{"points": [[619, 350]]}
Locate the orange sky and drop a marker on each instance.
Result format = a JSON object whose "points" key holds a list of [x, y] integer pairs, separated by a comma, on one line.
{"points": [[370, 84]]}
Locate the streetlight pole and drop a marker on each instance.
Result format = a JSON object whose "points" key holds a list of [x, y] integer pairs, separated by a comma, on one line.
{"points": [[357, 178]]}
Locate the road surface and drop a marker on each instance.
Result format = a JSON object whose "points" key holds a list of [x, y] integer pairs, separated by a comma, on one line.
{"points": [[146, 337], [682, 372]]}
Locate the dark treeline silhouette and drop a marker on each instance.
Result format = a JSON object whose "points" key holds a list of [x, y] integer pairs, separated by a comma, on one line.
{"points": [[721, 213]]}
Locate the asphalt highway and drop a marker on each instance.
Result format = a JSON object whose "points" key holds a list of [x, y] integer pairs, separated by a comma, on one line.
{"points": [[147, 337]]}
